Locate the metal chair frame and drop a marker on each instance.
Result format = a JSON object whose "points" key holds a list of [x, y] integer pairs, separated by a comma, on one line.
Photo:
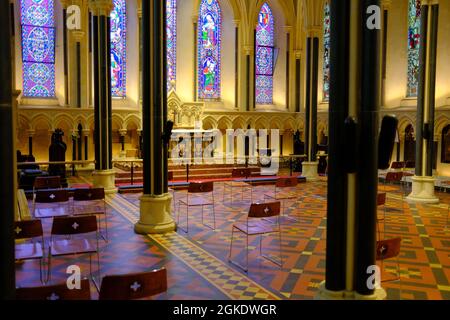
{"points": [[196, 188], [259, 211], [239, 174], [281, 185]]}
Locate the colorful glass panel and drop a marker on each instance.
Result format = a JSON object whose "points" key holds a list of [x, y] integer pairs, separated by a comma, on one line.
{"points": [[119, 49], [171, 21], [264, 58], [38, 48], [326, 52], [209, 54], [413, 47]]}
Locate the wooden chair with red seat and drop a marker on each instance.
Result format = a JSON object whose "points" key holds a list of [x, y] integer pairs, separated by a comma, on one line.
{"points": [[84, 199], [57, 204], [283, 192], [63, 240], [381, 201], [30, 230], [237, 175], [59, 292], [200, 194], [134, 286], [255, 225], [386, 250]]}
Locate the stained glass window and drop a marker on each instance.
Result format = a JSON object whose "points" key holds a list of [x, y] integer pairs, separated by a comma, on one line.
{"points": [[209, 44], [264, 58], [413, 47], [171, 8], [326, 52], [119, 49], [38, 48]]}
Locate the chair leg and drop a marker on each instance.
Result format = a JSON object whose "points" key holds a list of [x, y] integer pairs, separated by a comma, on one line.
{"points": [[231, 244], [246, 256]]}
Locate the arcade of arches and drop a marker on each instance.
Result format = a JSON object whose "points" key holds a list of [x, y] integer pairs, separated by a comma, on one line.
{"points": [[251, 66]]}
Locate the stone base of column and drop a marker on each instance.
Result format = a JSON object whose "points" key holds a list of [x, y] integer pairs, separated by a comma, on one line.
{"points": [[105, 179], [311, 171], [423, 190], [155, 215], [324, 294]]}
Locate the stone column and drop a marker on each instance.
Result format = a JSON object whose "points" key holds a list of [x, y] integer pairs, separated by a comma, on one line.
{"points": [[297, 91], [8, 174], [237, 55], [311, 166], [249, 78], [65, 4], [230, 146], [122, 134], [104, 175], [423, 182], [86, 134], [31, 134], [155, 205], [76, 79]]}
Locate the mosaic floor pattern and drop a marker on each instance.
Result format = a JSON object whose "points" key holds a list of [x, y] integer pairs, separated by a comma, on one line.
{"points": [[198, 261]]}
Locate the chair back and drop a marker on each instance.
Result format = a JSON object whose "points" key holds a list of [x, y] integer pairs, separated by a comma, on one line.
{"points": [[410, 164], [41, 183], [52, 196], [170, 176], [264, 210], [381, 200], [27, 229], [133, 286], [398, 165], [63, 226], [286, 182], [241, 173], [89, 194], [55, 293], [201, 187], [394, 176], [388, 249]]}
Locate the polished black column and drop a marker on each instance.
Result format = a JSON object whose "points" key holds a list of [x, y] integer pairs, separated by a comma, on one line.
{"points": [[7, 152], [102, 89], [65, 58], [154, 101], [337, 175], [312, 78], [368, 134], [426, 102], [353, 170], [297, 83]]}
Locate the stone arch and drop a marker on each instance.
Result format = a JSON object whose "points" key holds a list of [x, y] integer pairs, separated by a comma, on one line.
{"points": [[42, 119], [225, 123], [209, 123]]}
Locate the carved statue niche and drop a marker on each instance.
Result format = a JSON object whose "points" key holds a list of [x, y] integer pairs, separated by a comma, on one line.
{"points": [[57, 153]]}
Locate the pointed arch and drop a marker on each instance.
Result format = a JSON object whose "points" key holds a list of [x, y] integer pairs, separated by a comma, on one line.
{"points": [[119, 49], [38, 48], [265, 55], [209, 50]]}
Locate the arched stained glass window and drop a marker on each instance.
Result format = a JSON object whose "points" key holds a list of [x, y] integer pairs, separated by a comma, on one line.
{"points": [[264, 58], [119, 49], [413, 47], [38, 48], [326, 52], [209, 55], [171, 8]]}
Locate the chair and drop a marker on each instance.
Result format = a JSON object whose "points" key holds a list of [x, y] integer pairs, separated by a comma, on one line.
{"points": [[393, 178], [69, 227], [49, 197], [389, 249], [398, 165], [281, 192], [30, 229], [381, 201], [134, 286], [200, 194], [236, 183], [84, 197], [45, 183], [255, 225], [170, 177], [58, 292]]}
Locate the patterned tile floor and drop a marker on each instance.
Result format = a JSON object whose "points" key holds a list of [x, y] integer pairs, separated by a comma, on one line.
{"points": [[198, 262]]}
